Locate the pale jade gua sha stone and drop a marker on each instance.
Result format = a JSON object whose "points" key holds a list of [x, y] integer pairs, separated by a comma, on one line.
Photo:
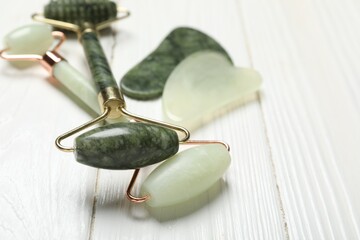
{"points": [[203, 84], [186, 175], [37, 39]]}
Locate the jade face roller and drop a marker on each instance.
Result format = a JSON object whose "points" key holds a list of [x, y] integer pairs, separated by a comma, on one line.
{"points": [[85, 18], [32, 43], [121, 145]]}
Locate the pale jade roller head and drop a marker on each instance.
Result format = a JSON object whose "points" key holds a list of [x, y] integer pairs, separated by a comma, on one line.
{"points": [[32, 43]]}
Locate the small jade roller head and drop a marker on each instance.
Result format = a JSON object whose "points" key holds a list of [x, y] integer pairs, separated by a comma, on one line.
{"points": [[29, 39], [79, 11]]}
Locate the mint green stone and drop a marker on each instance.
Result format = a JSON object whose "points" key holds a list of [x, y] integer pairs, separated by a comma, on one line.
{"points": [[186, 175], [203, 85], [28, 39], [76, 83]]}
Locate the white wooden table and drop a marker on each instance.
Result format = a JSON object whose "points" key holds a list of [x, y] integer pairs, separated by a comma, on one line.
{"points": [[295, 149]]}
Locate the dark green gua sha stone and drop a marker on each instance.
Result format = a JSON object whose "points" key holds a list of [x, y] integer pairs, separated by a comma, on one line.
{"points": [[147, 79], [125, 145]]}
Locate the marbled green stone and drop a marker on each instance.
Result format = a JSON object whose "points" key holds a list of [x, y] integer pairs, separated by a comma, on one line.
{"points": [[98, 63], [147, 79], [80, 11], [125, 145]]}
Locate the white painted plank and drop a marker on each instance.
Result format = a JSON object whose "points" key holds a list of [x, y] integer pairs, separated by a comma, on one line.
{"points": [[246, 204], [44, 194], [306, 50], [313, 131]]}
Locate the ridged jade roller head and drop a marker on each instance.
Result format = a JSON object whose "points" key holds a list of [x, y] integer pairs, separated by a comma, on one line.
{"points": [[186, 175], [80, 11], [28, 39]]}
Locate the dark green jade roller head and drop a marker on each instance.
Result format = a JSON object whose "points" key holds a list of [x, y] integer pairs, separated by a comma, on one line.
{"points": [[80, 11], [125, 145]]}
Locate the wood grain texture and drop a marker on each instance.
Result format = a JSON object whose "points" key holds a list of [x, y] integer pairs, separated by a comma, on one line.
{"points": [[310, 111], [36, 200], [295, 148], [44, 193]]}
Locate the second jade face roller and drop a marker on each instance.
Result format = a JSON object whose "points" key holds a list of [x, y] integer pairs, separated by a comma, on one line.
{"points": [[34, 42]]}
